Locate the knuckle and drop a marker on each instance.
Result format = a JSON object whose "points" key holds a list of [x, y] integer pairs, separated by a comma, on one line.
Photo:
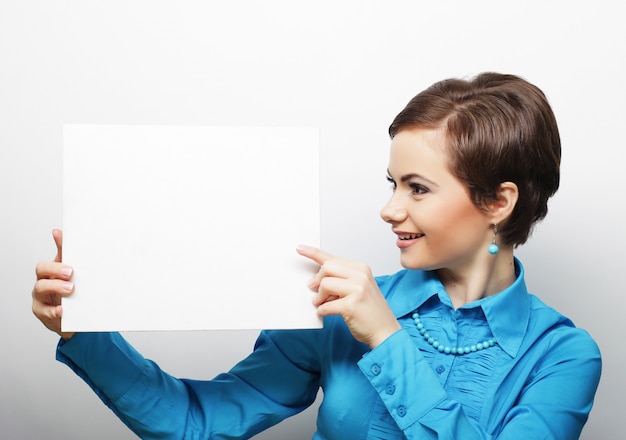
{"points": [[327, 266], [350, 309], [39, 268], [39, 312], [323, 271], [37, 288], [361, 278], [365, 270], [42, 286], [324, 286], [359, 291]]}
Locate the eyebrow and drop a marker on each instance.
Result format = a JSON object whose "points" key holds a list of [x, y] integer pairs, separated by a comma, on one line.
{"points": [[410, 176]]}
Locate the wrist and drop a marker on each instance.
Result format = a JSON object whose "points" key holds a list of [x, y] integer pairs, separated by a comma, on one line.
{"points": [[384, 335]]}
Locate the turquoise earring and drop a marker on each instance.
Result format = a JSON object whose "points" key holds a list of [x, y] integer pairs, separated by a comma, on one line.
{"points": [[493, 247]]}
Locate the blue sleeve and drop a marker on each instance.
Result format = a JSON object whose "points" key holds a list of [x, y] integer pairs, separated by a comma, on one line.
{"points": [[257, 393], [554, 403], [558, 396]]}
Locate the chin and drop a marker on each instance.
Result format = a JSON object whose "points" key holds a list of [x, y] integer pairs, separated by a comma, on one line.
{"points": [[413, 264]]}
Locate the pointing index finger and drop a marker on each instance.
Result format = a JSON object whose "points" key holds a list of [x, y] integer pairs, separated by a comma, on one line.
{"points": [[315, 254]]}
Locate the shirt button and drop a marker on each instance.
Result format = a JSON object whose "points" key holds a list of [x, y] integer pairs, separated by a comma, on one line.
{"points": [[375, 369], [401, 411], [390, 389], [440, 369]]}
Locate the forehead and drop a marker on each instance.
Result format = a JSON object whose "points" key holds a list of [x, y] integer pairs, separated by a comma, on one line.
{"points": [[419, 150]]}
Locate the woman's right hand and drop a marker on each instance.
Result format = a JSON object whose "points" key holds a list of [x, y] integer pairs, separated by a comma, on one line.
{"points": [[54, 281]]}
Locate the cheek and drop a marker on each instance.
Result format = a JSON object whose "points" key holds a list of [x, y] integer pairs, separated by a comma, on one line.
{"points": [[458, 218]]}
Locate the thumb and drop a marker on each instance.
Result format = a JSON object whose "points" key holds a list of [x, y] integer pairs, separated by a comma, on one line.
{"points": [[57, 234]]}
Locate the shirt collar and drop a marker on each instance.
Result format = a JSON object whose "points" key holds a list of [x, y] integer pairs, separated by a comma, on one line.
{"points": [[507, 312], [412, 290]]}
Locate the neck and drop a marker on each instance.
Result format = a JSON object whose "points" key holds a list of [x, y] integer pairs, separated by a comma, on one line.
{"points": [[481, 279]]}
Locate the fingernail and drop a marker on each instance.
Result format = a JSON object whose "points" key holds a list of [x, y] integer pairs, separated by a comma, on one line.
{"points": [[67, 271], [311, 282], [302, 247], [68, 286]]}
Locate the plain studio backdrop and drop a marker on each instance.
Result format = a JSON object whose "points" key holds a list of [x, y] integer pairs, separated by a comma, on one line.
{"points": [[346, 67]]}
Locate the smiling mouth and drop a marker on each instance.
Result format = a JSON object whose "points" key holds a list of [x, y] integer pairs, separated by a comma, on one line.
{"points": [[410, 236]]}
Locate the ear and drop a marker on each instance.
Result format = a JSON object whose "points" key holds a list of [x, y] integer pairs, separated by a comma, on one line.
{"points": [[506, 199]]}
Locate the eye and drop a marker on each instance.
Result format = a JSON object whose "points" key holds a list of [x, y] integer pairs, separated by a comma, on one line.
{"points": [[418, 189], [393, 183]]}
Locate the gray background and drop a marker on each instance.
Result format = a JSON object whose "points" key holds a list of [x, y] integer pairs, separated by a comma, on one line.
{"points": [[347, 67]]}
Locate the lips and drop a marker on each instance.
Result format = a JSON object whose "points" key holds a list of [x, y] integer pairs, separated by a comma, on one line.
{"points": [[407, 239]]}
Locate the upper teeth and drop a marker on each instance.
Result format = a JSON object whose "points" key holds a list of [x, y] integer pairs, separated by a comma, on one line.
{"points": [[409, 236]]}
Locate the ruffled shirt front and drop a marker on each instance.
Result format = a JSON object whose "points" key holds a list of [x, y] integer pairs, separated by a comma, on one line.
{"points": [[537, 382]]}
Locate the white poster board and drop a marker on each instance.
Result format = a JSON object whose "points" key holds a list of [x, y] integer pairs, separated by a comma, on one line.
{"points": [[189, 227]]}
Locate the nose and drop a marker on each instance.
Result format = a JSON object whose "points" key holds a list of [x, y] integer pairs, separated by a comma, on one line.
{"points": [[394, 211]]}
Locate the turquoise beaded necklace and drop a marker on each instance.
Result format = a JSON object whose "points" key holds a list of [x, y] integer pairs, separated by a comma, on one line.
{"points": [[446, 349]]}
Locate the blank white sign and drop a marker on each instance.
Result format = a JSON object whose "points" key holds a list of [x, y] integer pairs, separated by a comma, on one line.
{"points": [[188, 227]]}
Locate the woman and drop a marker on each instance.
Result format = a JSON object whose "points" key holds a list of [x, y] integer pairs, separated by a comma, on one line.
{"points": [[451, 347]]}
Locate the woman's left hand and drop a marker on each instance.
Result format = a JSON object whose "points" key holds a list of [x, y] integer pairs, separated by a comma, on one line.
{"points": [[348, 288]]}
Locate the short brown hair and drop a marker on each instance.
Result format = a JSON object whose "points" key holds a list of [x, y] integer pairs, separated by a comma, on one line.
{"points": [[499, 128]]}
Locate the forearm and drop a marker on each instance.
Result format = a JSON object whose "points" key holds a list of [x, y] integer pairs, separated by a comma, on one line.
{"points": [[145, 398], [552, 404], [412, 393], [156, 405]]}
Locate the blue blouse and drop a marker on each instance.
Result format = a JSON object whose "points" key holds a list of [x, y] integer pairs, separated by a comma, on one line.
{"points": [[537, 382]]}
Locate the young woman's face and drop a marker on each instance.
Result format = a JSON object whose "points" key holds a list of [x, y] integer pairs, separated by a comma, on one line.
{"points": [[430, 211]]}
